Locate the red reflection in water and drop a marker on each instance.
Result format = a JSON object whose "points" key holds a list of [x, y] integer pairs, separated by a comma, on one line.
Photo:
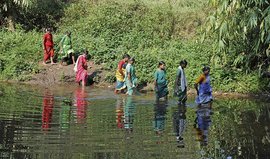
{"points": [[81, 105], [48, 101], [120, 113]]}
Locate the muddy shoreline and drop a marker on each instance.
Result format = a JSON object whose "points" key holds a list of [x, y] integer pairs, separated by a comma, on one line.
{"points": [[64, 76]]}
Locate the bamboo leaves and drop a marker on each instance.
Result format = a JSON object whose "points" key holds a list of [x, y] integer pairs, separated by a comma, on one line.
{"points": [[244, 23]]}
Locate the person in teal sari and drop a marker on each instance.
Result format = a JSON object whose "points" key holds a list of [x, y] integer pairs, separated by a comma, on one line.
{"points": [[130, 77], [161, 83], [66, 48]]}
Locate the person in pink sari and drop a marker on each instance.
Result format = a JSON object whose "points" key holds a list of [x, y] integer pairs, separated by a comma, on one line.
{"points": [[81, 69]]}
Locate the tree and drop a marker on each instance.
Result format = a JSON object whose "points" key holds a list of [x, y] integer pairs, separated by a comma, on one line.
{"points": [[9, 9], [242, 32]]}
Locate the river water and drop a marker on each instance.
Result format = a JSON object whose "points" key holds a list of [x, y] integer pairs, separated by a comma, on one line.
{"points": [[71, 122]]}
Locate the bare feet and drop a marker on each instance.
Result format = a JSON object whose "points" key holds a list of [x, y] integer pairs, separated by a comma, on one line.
{"points": [[52, 63], [44, 63]]}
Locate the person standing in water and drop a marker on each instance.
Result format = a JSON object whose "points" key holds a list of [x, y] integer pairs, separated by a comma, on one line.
{"points": [[120, 74], [160, 82], [130, 79], [66, 48], [81, 68], [204, 92], [48, 46], [180, 89]]}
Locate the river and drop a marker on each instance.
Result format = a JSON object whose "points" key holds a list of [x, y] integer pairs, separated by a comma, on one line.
{"points": [[71, 122]]}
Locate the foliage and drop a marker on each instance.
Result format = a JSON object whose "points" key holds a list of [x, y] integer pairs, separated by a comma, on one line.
{"points": [[242, 34], [147, 30], [19, 52]]}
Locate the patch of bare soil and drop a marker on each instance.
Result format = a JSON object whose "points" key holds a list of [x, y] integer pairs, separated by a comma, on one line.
{"points": [[57, 74]]}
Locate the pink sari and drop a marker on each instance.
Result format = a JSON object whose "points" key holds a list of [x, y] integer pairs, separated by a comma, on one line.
{"points": [[81, 69]]}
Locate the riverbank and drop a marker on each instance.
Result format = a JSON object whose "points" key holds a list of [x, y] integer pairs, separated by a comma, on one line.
{"points": [[58, 75]]}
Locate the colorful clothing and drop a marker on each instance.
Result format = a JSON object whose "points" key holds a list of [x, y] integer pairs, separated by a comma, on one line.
{"points": [[160, 116], [180, 89], [81, 69], [161, 84], [81, 105], [66, 46], [205, 90], [120, 78], [48, 101], [48, 46], [133, 80], [129, 112]]}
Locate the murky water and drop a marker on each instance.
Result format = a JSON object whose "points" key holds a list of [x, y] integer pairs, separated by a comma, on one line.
{"points": [[69, 122]]}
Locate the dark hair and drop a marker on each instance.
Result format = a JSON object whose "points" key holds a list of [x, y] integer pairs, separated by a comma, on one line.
{"points": [[161, 63], [85, 51], [206, 68], [126, 56], [132, 59], [183, 62], [48, 29]]}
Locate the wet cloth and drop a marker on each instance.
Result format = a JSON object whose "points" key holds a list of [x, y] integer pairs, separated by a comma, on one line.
{"points": [[180, 89], [66, 46], [131, 84], [81, 69], [120, 79], [161, 83], [205, 90], [48, 44]]}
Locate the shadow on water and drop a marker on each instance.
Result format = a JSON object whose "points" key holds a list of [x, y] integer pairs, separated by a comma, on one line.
{"points": [[77, 123]]}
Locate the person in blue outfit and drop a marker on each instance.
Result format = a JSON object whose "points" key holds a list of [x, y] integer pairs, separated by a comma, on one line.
{"points": [[204, 92]]}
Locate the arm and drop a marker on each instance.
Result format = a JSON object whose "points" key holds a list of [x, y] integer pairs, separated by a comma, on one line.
{"points": [[120, 69], [197, 82], [178, 76], [44, 42]]}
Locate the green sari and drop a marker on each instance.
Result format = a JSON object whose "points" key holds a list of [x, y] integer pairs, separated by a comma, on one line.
{"points": [[161, 84], [133, 79], [66, 46]]}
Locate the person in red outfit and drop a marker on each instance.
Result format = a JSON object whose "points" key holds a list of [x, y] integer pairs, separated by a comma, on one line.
{"points": [[48, 46]]}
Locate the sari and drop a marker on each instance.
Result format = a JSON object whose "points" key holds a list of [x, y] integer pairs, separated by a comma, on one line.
{"points": [[48, 44], [161, 84], [180, 89], [66, 46], [120, 79], [131, 84], [81, 69], [205, 90]]}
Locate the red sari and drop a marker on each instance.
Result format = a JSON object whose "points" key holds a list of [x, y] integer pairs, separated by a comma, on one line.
{"points": [[48, 101], [81, 69], [81, 103], [48, 45]]}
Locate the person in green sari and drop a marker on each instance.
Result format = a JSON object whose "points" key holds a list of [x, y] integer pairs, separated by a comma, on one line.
{"points": [[66, 48], [180, 88], [130, 77], [161, 83]]}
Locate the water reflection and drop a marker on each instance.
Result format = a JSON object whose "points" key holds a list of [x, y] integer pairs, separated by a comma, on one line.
{"points": [[129, 113], [48, 103], [81, 105], [202, 123], [120, 112], [65, 114], [179, 124], [160, 109]]}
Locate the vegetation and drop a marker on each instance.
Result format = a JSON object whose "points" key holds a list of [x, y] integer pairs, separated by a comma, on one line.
{"points": [[148, 30]]}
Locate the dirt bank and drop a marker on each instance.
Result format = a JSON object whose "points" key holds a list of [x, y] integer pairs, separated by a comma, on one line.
{"points": [[53, 75]]}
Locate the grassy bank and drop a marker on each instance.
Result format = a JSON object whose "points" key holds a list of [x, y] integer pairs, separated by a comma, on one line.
{"points": [[148, 30]]}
